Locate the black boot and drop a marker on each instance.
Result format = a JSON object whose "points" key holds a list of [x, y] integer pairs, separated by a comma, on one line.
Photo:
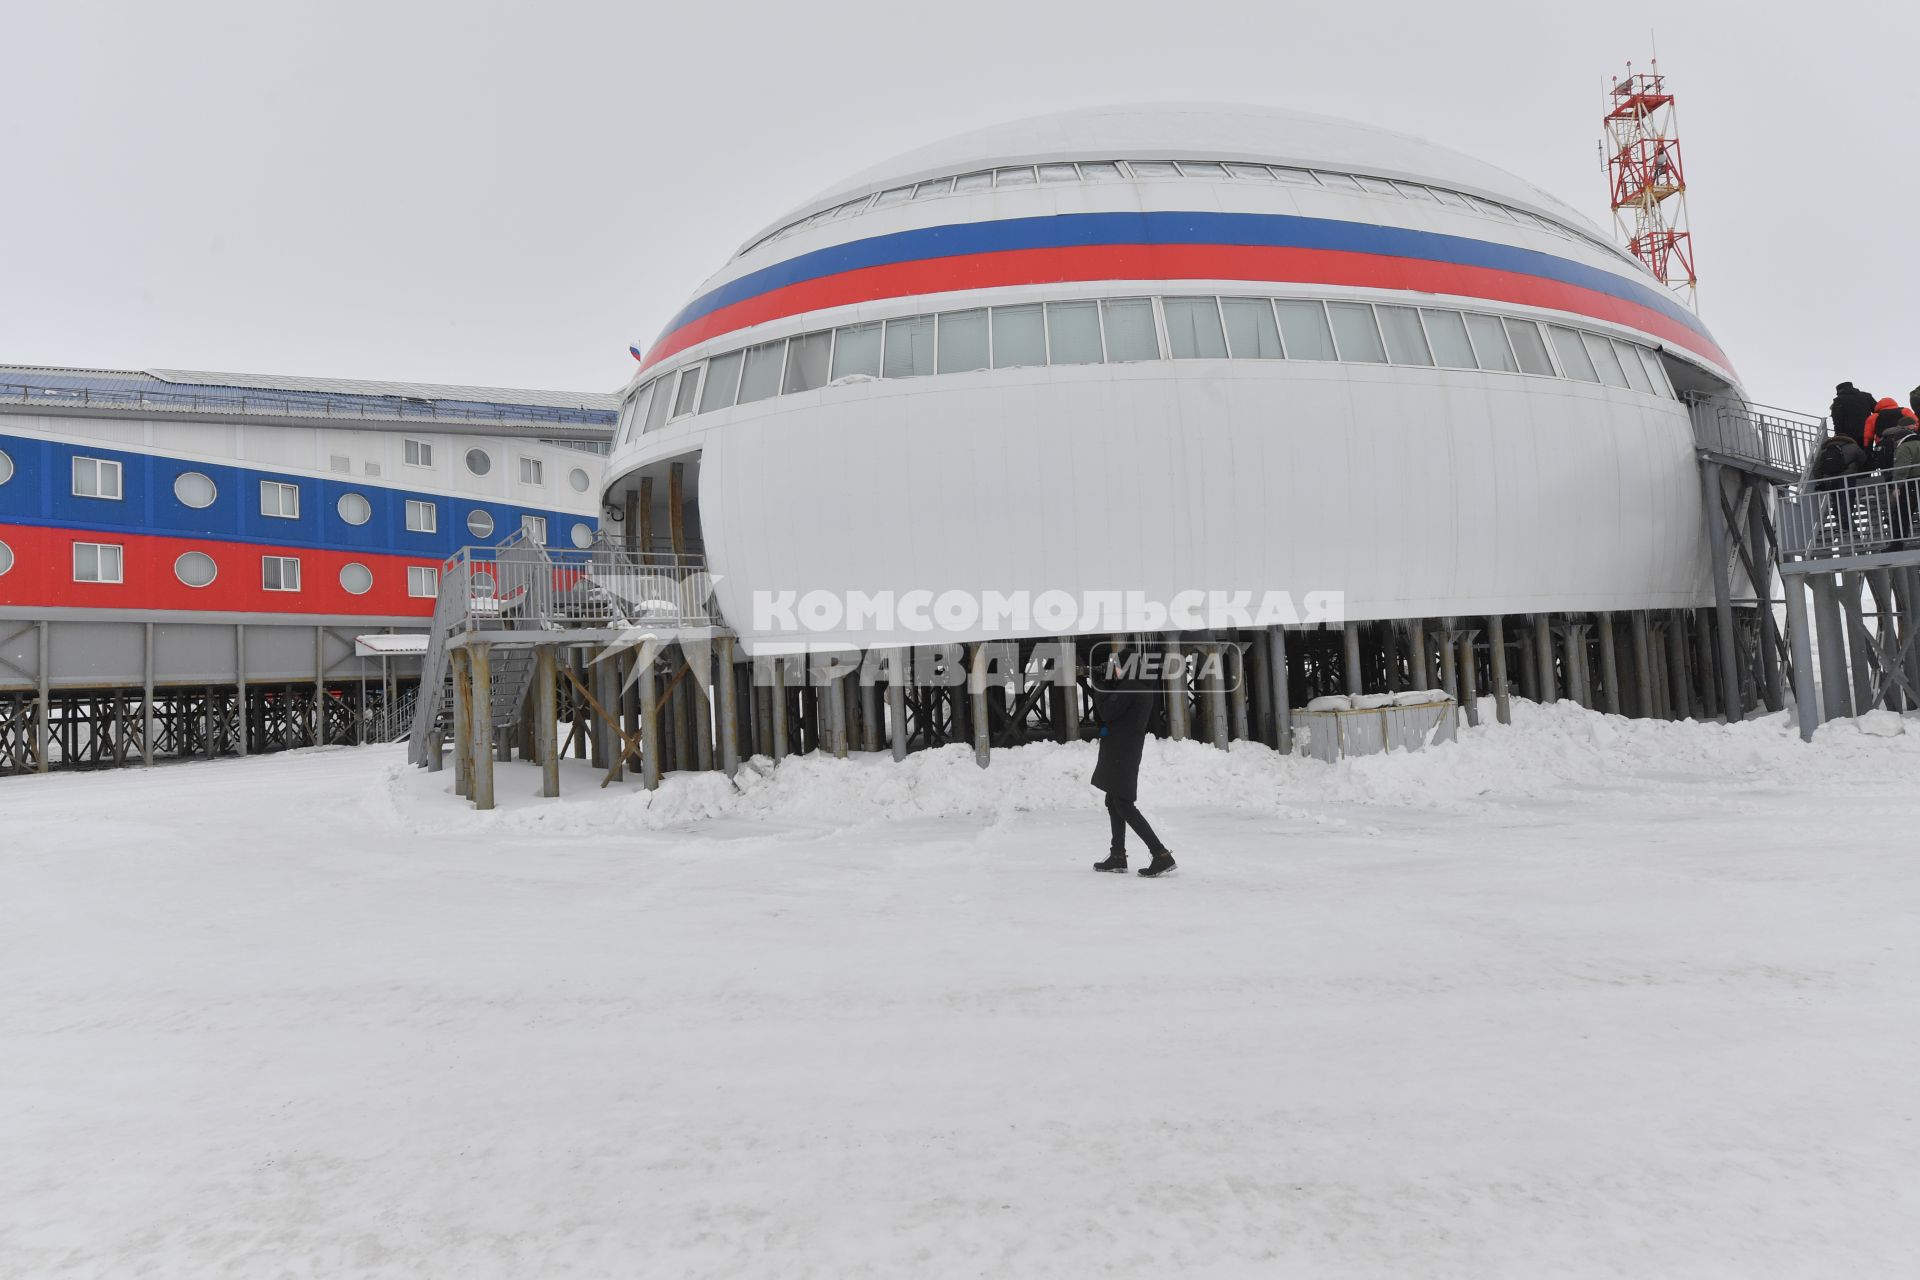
{"points": [[1116, 861], [1162, 863]]}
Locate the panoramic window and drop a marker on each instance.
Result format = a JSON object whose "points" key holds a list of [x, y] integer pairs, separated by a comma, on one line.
{"points": [[96, 478], [96, 562], [1019, 337], [1304, 327], [1448, 333], [1251, 332], [807, 357], [1530, 347], [1406, 342], [856, 350], [195, 489], [1490, 343], [1073, 332], [1130, 330], [1605, 362], [685, 392], [982, 181], [963, 341], [1193, 329], [723, 381], [1573, 354], [280, 573], [909, 349], [279, 501], [1354, 333], [761, 377], [1631, 366], [657, 405]]}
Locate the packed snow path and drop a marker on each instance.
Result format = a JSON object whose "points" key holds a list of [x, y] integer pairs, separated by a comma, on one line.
{"points": [[1580, 997]]}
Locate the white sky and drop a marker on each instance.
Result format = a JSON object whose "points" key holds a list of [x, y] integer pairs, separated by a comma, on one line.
{"points": [[508, 194]]}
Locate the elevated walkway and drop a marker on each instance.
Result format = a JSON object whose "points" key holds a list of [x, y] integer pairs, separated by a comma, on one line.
{"points": [[512, 622]]}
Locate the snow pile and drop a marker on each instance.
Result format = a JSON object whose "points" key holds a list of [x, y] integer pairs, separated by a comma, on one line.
{"points": [[1546, 750]]}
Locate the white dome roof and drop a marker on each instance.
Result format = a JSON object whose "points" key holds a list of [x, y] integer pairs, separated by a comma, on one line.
{"points": [[1201, 131]]}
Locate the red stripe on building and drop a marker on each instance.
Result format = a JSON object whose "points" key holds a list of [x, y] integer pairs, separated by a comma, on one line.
{"points": [[42, 576], [1157, 262]]}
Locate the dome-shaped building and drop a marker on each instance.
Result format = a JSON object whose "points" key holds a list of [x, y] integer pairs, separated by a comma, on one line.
{"points": [[1169, 348]]}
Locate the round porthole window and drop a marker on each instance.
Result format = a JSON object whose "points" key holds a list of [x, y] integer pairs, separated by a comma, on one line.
{"points": [[579, 480], [479, 524], [582, 536], [479, 462], [195, 490], [6, 467], [196, 568], [354, 508], [356, 578], [6, 557]]}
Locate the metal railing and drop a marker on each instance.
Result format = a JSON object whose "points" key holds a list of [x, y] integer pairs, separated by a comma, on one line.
{"points": [[1852, 516], [392, 721], [304, 404], [1776, 441], [522, 585]]}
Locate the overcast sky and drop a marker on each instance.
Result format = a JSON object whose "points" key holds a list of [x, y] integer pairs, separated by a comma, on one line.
{"points": [[507, 194]]}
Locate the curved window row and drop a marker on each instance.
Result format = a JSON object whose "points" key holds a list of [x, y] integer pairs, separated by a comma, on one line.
{"points": [[1123, 330], [1028, 175]]}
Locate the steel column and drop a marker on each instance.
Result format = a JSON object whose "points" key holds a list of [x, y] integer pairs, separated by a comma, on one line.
{"points": [[977, 697], [1497, 653], [1609, 665], [1806, 697], [650, 713], [1351, 652], [481, 662], [1830, 636], [1278, 685], [729, 705], [1543, 658], [546, 717], [1714, 496]]}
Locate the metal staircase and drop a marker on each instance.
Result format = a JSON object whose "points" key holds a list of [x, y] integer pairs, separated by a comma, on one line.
{"points": [[519, 596]]}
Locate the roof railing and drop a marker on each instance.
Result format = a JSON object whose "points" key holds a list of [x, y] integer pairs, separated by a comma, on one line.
{"points": [[306, 404]]}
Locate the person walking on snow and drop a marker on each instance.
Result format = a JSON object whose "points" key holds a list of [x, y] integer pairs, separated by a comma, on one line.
{"points": [[1124, 703]]}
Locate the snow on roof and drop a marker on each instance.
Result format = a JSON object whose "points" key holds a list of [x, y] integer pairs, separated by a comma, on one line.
{"points": [[1201, 131], [411, 390], [376, 646]]}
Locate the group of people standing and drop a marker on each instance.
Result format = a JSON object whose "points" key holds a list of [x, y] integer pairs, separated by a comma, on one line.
{"points": [[1872, 436]]}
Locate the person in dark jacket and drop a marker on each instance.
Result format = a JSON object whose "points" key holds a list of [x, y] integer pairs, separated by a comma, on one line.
{"points": [[1124, 704], [1850, 410]]}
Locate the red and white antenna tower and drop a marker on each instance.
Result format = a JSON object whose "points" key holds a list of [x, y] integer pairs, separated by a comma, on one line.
{"points": [[1649, 183]]}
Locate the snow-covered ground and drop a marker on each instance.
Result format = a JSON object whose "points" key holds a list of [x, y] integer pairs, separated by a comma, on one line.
{"points": [[1580, 997]]}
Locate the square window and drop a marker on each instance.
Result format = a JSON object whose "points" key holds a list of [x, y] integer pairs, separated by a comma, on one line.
{"points": [[280, 573], [535, 527], [280, 501], [1490, 343], [758, 381], [909, 351], [96, 478], [1019, 336], [1251, 333], [419, 453], [423, 581], [963, 341], [1406, 342], [96, 562], [807, 361], [531, 472], [723, 380], [856, 350], [1073, 332], [422, 517]]}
